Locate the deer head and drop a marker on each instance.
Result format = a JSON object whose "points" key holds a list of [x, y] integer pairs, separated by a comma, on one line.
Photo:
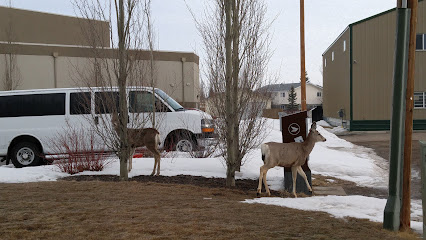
{"points": [[317, 137]]}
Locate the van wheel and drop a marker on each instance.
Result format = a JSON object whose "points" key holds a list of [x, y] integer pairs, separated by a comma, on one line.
{"points": [[181, 141], [25, 154], [185, 145]]}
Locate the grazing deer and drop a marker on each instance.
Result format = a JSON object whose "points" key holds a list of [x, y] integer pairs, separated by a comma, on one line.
{"points": [[148, 137], [288, 155]]}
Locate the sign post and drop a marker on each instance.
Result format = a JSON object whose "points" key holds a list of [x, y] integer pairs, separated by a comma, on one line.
{"points": [[294, 128]]}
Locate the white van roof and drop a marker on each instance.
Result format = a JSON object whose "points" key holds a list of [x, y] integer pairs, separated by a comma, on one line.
{"points": [[76, 89]]}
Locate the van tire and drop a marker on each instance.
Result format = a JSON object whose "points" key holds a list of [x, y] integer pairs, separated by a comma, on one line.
{"points": [[185, 145], [25, 154], [182, 141]]}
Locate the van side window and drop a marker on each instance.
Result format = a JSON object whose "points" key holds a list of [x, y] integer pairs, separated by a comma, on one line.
{"points": [[32, 105], [106, 102], [141, 101], [160, 106], [80, 103]]}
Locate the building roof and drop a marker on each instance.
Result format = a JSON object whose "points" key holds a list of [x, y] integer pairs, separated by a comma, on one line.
{"points": [[283, 87], [355, 23], [25, 26], [361, 21]]}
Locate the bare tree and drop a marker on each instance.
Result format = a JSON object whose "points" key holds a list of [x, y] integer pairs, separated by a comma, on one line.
{"points": [[12, 75], [236, 45], [120, 66]]}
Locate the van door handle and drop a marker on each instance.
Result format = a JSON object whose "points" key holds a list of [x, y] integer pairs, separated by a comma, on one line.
{"points": [[96, 120]]}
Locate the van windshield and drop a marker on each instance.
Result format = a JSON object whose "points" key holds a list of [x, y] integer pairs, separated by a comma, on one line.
{"points": [[175, 105]]}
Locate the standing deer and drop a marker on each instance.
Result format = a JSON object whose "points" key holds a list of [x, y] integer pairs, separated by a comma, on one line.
{"points": [[288, 155], [148, 137]]}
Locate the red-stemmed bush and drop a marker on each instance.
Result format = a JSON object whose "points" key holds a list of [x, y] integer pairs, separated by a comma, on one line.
{"points": [[77, 151]]}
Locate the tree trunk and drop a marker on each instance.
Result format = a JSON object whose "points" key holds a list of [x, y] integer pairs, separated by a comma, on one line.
{"points": [[124, 172], [235, 81], [230, 113], [230, 174], [124, 142]]}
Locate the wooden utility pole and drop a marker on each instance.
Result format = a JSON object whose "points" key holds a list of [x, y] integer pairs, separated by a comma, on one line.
{"points": [[302, 55], [406, 181]]}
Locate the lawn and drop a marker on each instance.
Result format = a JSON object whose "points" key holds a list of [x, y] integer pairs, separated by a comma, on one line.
{"points": [[149, 210]]}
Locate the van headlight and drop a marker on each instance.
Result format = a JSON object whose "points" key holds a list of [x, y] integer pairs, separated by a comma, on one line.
{"points": [[207, 125]]}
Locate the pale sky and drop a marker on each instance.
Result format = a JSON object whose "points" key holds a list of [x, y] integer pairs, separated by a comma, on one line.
{"points": [[324, 21]]}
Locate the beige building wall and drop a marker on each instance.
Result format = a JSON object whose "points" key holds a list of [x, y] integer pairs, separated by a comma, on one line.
{"points": [[420, 74], [336, 77], [368, 88], [36, 27], [373, 67], [312, 97], [49, 52], [40, 71], [373, 60]]}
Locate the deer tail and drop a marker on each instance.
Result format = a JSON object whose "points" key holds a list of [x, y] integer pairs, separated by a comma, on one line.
{"points": [[264, 149], [157, 139]]}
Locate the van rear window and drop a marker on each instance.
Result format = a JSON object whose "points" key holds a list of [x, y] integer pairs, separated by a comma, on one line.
{"points": [[32, 105], [80, 103]]}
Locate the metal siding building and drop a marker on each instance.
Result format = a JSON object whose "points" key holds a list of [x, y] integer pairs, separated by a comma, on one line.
{"points": [[358, 78]]}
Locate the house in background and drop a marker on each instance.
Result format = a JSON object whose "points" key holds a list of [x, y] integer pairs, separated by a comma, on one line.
{"points": [[55, 51], [256, 104], [358, 73], [279, 95]]}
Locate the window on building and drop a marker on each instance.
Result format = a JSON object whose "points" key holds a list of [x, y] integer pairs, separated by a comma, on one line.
{"points": [[344, 45], [420, 100], [318, 94], [332, 56], [283, 94], [420, 42], [325, 62]]}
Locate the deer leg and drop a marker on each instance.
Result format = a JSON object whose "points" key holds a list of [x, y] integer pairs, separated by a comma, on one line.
{"points": [[259, 188], [302, 173], [156, 162], [155, 166], [294, 175], [265, 183], [129, 164]]}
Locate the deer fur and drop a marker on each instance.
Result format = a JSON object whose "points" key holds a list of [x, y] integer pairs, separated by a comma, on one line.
{"points": [[288, 155], [145, 137]]}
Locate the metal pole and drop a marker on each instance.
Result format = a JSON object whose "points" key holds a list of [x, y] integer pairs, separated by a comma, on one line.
{"points": [[423, 171], [392, 210], [183, 81], [409, 105], [302, 55]]}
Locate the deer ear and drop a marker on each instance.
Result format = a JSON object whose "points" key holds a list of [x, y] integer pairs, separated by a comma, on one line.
{"points": [[314, 125]]}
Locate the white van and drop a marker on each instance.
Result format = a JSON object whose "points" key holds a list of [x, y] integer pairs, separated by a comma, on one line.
{"points": [[29, 119]]}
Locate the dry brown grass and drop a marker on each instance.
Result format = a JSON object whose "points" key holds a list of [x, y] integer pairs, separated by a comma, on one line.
{"points": [[140, 210]]}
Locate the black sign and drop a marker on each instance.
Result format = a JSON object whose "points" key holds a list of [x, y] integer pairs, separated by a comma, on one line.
{"points": [[294, 129]]}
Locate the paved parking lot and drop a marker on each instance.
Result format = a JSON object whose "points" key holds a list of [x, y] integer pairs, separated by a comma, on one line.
{"points": [[380, 142]]}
